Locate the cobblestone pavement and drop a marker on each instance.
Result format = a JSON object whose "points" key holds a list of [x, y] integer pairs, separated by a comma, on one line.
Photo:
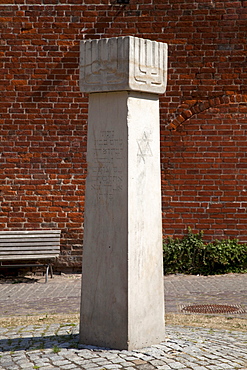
{"points": [[55, 346]]}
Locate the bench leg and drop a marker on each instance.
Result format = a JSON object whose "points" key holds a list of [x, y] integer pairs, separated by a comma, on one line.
{"points": [[48, 267], [46, 273], [51, 271]]}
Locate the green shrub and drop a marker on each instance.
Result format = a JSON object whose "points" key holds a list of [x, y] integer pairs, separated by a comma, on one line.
{"points": [[191, 255]]}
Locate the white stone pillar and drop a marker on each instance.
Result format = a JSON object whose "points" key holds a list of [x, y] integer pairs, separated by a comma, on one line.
{"points": [[122, 304]]}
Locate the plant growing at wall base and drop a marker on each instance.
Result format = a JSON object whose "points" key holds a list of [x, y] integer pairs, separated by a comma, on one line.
{"points": [[191, 255]]}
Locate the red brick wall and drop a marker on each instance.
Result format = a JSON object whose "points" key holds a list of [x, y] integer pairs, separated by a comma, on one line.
{"points": [[43, 115], [204, 170]]}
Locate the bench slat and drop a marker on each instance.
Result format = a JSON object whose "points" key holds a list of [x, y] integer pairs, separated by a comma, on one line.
{"points": [[21, 252], [26, 257], [30, 237], [31, 232], [28, 242], [31, 251], [23, 239], [27, 247]]}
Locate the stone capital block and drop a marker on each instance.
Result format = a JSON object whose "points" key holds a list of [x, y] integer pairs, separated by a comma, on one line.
{"points": [[123, 63]]}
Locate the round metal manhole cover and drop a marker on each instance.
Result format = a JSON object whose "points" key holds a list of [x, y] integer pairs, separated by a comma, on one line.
{"points": [[213, 308]]}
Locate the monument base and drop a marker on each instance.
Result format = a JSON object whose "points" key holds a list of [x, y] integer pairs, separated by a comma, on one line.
{"points": [[122, 304]]}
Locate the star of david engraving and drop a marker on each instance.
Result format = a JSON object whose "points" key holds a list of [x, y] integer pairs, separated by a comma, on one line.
{"points": [[144, 149]]}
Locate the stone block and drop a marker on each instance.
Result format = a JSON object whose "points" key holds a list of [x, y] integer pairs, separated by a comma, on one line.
{"points": [[123, 63]]}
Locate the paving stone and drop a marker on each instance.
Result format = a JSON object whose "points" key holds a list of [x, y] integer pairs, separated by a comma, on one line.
{"points": [[157, 362], [90, 366], [177, 365], [126, 363], [61, 362], [130, 358], [198, 367]]}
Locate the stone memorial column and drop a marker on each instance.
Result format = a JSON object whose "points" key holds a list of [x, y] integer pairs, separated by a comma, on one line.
{"points": [[122, 304]]}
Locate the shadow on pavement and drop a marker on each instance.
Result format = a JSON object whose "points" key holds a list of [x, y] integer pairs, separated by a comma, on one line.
{"points": [[17, 280], [54, 342]]}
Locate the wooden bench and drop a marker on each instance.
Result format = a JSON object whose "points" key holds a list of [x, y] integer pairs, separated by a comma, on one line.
{"points": [[16, 246]]}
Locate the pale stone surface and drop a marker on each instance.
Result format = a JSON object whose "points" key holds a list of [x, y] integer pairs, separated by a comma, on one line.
{"points": [[122, 285], [122, 303], [123, 63]]}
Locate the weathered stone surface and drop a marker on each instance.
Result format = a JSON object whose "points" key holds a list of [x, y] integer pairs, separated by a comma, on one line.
{"points": [[122, 285], [122, 304], [123, 63]]}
